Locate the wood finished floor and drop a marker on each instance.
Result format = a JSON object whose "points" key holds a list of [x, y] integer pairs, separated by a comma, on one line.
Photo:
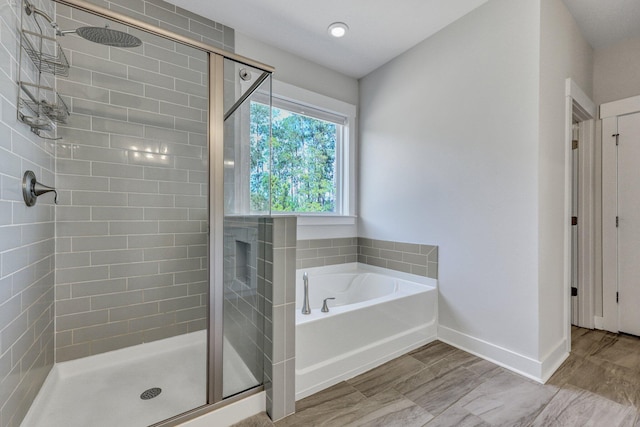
{"points": [[438, 385]]}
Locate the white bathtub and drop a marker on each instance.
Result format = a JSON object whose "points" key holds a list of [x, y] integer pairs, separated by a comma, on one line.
{"points": [[378, 314]]}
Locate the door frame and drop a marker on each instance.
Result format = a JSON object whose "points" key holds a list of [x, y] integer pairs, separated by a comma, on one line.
{"points": [[609, 114], [580, 108]]}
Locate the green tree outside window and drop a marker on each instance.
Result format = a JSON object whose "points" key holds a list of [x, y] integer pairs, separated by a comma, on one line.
{"points": [[303, 151]]}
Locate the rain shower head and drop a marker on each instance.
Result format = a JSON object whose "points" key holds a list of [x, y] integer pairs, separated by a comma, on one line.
{"points": [[108, 37]]}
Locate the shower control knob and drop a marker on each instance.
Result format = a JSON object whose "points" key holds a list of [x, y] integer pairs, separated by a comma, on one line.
{"points": [[31, 189]]}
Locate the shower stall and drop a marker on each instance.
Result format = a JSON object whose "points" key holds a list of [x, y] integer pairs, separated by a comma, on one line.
{"points": [[162, 262]]}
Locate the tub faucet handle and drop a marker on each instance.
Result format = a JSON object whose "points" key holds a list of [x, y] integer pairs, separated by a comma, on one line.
{"points": [[325, 307]]}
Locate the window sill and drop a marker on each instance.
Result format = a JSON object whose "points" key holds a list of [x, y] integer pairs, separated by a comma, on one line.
{"points": [[320, 220], [316, 220]]}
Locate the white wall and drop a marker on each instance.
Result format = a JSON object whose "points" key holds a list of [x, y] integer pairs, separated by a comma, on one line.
{"points": [[462, 145], [615, 74], [563, 53], [449, 156]]}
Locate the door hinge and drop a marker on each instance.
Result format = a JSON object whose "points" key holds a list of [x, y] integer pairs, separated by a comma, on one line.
{"points": [[617, 221], [574, 144], [617, 296], [616, 135], [574, 220], [574, 291]]}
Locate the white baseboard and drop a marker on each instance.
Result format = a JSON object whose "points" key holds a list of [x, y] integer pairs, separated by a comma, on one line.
{"points": [[552, 361], [518, 363], [598, 322]]}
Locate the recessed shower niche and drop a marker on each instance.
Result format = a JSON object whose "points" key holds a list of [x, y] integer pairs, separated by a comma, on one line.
{"points": [[242, 267]]}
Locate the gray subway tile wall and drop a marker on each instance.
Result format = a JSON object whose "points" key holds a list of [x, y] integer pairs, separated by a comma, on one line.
{"points": [[132, 219], [99, 233], [27, 235], [320, 252], [413, 258]]}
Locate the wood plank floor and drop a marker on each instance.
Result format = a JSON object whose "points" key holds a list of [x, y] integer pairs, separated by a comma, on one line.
{"points": [[438, 385]]}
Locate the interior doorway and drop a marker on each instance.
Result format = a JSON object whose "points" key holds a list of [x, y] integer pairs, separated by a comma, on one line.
{"points": [[582, 221], [580, 208]]}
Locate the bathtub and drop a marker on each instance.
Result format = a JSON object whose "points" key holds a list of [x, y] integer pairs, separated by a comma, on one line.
{"points": [[378, 314]]}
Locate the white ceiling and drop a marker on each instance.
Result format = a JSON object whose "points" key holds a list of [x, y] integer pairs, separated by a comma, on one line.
{"points": [[382, 29], [605, 22], [379, 30]]}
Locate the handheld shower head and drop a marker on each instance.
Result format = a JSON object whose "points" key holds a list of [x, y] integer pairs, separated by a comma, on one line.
{"points": [[30, 9]]}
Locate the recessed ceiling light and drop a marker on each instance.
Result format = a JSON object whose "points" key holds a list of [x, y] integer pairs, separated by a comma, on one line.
{"points": [[338, 29]]}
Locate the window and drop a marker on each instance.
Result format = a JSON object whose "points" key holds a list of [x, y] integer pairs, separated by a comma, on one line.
{"points": [[310, 173]]}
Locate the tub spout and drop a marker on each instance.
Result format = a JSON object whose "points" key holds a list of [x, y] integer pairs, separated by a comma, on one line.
{"points": [[325, 307], [306, 309]]}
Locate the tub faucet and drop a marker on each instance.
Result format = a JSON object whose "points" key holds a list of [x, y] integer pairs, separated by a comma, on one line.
{"points": [[306, 309], [325, 307]]}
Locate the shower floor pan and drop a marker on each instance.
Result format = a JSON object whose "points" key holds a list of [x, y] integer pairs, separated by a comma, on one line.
{"points": [[105, 390]]}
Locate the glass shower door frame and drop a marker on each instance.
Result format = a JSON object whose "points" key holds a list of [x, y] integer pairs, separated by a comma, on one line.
{"points": [[216, 226]]}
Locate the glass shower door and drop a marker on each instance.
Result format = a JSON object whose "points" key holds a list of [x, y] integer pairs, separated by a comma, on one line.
{"points": [[132, 226], [245, 232]]}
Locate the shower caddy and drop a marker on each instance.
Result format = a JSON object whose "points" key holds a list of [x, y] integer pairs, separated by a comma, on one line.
{"points": [[39, 105]]}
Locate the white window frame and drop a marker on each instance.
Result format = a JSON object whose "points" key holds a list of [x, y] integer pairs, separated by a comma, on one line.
{"points": [[345, 165]]}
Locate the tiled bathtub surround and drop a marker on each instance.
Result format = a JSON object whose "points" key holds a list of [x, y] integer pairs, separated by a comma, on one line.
{"points": [[27, 244], [407, 257], [132, 174], [411, 258], [320, 252]]}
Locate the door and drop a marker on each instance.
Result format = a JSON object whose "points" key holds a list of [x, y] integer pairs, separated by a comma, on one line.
{"points": [[629, 223]]}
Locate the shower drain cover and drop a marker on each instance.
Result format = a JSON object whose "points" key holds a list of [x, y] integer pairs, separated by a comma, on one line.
{"points": [[151, 393]]}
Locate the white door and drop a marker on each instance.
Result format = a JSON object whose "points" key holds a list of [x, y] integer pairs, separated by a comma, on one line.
{"points": [[629, 223]]}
